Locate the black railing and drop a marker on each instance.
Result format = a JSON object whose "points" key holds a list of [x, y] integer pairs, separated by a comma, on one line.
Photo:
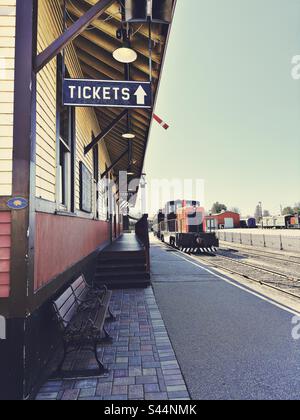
{"points": [[142, 232]]}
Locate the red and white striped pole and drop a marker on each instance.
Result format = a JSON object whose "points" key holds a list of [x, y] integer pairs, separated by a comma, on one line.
{"points": [[162, 123]]}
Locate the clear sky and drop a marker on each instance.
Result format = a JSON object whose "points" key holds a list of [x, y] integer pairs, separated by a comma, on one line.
{"points": [[232, 104]]}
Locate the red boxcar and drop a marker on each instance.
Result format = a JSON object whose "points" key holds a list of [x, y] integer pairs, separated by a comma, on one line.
{"points": [[224, 220]]}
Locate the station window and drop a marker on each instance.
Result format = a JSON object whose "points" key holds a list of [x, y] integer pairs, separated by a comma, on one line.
{"points": [[65, 146], [96, 162], [107, 195], [96, 177]]}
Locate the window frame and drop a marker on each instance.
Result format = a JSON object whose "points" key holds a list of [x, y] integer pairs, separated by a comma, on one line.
{"points": [[65, 177], [96, 177]]}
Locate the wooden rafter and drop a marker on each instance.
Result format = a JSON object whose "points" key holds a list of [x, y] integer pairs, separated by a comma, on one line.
{"points": [[76, 29], [94, 47], [115, 163], [104, 132]]}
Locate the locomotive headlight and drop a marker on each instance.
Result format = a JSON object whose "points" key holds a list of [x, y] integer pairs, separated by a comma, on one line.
{"points": [[199, 240]]}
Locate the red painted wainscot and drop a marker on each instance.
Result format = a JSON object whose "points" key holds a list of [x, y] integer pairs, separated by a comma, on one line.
{"points": [[62, 241], [5, 247]]}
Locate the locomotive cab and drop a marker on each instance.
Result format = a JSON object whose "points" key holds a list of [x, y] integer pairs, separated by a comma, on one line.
{"points": [[184, 227], [192, 234]]}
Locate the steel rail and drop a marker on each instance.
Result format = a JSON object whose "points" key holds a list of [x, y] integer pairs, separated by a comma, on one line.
{"points": [[232, 271], [265, 254], [257, 267]]}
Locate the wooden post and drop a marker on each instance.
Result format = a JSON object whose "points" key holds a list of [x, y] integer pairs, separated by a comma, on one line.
{"points": [[22, 236]]}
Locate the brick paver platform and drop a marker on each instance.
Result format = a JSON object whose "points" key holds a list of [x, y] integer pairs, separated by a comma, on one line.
{"points": [[142, 362]]}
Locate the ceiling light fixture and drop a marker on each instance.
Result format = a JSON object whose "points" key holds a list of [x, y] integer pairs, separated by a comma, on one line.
{"points": [[125, 55], [128, 136]]}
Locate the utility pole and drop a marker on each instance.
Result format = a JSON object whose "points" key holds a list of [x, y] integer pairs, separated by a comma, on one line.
{"points": [[262, 214]]}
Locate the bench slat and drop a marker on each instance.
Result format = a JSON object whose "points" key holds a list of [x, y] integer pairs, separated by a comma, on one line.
{"points": [[81, 291], [101, 315], [66, 306], [63, 298]]}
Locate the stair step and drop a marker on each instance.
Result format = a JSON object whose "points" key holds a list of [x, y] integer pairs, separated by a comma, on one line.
{"points": [[123, 263], [117, 256], [124, 275], [121, 268], [125, 283]]}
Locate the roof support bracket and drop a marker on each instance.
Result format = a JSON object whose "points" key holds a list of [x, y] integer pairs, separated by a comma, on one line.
{"points": [[114, 164], [104, 132], [76, 29]]}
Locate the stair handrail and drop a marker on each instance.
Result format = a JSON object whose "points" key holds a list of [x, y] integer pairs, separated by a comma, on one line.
{"points": [[142, 232]]}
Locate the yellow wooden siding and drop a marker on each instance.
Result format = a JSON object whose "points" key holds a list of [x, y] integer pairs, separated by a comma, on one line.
{"points": [[49, 28], [7, 64]]}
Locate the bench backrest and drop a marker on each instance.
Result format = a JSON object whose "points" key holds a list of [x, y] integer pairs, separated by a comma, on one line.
{"points": [[66, 307], [80, 288]]}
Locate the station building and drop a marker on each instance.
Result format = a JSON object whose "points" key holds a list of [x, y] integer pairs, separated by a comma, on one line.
{"points": [[55, 213], [224, 220]]}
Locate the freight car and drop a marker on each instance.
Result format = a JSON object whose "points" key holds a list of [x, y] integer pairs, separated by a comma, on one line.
{"points": [[276, 222], [248, 223], [268, 222], [282, 222], [184, 227], [295, 222]]}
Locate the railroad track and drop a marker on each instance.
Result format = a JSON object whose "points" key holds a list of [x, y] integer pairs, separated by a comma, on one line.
{"points": [[258, 267], [269, 255], [284, 285]]}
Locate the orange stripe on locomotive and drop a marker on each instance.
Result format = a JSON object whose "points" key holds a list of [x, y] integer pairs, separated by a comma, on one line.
{"points": [[191, 220]]}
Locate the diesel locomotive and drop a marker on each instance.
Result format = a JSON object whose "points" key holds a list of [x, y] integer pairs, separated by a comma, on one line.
{"points": [[181, 224]]}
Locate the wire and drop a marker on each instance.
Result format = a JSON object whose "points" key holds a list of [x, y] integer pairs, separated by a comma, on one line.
{"points": [[134, 33], [108, 18]]}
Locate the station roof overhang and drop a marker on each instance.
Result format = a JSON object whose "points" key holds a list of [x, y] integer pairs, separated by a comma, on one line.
{"points": [[95, 47]]}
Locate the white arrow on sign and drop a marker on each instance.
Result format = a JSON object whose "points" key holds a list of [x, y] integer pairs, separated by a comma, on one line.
{"points": [[140, 96]]}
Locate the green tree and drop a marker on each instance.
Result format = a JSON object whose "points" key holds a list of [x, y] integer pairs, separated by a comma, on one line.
{"points": [[297, 208], [218, 208], [287, 210]]}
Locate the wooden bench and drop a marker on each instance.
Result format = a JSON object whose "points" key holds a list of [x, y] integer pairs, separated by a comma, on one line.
{"points": [[81, 312], [86, 295]]}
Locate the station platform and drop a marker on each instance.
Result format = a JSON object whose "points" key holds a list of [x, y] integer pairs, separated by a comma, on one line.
{"points": [[230, 342], [128, 242], [194, 334]]}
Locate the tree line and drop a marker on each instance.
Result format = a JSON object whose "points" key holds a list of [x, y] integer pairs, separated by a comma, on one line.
{"points": [[218, 208], [291, 210]]}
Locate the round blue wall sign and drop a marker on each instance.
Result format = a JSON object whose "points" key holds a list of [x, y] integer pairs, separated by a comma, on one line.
{"points": [[17, 203]]}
